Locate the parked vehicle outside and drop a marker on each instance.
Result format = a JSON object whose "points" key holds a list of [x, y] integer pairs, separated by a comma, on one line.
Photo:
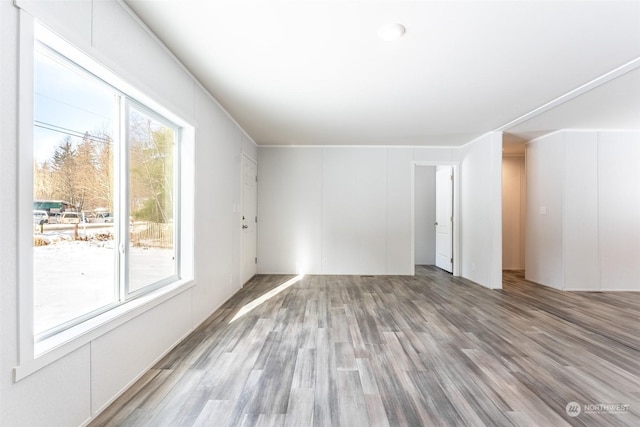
{"points": [[89, 216], [70, 218], [104, 217], [40, 217], [84, 217]]}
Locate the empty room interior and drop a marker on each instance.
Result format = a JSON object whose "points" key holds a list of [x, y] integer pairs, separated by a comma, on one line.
{"points": [[319, 213]]}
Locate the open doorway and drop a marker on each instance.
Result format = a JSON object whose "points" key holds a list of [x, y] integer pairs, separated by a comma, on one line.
{"points": [[514, 189], [425, 215], [435, 231]]}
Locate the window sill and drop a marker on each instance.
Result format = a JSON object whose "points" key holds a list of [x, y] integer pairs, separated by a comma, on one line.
{"points": [[53, 348]]}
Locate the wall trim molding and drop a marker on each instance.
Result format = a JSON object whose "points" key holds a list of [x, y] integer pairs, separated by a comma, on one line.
{"points": [[598, 81]]}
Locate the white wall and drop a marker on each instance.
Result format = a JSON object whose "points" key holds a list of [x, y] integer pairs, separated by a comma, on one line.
{"points": [[544, 211], [290, 210], [69, 391], [580, 211], [481, 209], [513, 211], [619, 210], [334, 210], [425, 215], [399, 231], [590, 237], [348, 210], [354, 210]]}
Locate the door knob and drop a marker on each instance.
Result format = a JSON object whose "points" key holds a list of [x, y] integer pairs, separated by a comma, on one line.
{"points": [[245, 227]]}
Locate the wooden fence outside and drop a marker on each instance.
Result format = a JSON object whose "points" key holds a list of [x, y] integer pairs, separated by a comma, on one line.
{"points": [[152, 235]]}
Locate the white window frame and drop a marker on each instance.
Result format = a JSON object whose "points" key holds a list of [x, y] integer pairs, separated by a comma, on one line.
{"points": [[34, 355]]}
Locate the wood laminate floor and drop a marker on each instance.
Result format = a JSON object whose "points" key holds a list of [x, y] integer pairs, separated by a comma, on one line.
{"points": [[427, 350]]}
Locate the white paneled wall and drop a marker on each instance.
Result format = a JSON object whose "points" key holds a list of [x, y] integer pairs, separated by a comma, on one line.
{"points": [[580, 211], [354, 211], [589, 238], [109, 373], [619, 210], [398, 204], [543, 237], [124, 48], [481, 209], [352, 208], [290, 210]]}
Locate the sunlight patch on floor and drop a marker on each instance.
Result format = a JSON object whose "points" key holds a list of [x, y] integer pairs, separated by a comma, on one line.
{"points": [[272, 293]]}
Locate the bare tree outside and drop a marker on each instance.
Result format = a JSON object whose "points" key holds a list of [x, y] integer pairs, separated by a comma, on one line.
{"points": [[80, 172]]}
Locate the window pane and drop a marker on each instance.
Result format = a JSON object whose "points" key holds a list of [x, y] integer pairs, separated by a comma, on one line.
{"points": [[151, 201], [74, 256]]}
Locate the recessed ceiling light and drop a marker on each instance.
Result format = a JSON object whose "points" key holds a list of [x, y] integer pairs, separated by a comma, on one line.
{"points": [[391, 32]]}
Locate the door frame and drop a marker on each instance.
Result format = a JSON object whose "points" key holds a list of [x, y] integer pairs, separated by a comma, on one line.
{"points": [[457, 261], [246, 158]]}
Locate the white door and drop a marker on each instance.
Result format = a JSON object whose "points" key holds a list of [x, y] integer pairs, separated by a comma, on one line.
{"points": [[249, 218], [444, 218]]}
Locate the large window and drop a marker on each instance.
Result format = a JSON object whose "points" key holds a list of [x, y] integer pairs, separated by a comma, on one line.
{"points": [[106, 191]]}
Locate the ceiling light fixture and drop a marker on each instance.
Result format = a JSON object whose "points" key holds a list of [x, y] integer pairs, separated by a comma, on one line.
{"points": [[390, 32]]}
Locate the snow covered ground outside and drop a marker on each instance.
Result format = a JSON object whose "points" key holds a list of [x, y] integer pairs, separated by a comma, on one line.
{"points": [[74, 277]]}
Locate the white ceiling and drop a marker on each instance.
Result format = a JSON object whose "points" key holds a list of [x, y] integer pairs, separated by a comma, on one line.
{"points": [[315, 73]]}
